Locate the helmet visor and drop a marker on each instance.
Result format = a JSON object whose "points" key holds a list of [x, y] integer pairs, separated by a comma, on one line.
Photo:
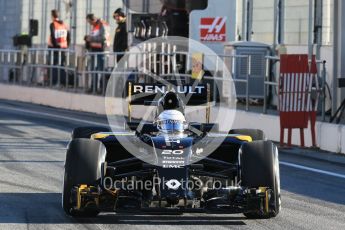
{"points": [[171, 125]]}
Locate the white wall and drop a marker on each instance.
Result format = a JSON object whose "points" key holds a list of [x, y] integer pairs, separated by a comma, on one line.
{"points": [[296, 22], [263, 17]]}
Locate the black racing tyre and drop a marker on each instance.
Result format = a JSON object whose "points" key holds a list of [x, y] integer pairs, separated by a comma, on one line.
{"points": [[259, 167], [86, 132], [256, 134], [84, 158]]}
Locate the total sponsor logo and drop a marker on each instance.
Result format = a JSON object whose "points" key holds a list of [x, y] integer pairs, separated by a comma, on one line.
{"points": [[213, 29]]}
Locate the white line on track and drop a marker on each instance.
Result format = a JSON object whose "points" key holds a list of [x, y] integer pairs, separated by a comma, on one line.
{"points": [[328, 173], [53, 116], [102, 124]]}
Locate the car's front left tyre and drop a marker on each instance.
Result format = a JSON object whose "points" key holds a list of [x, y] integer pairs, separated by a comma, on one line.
{"points": [[259, 167]]}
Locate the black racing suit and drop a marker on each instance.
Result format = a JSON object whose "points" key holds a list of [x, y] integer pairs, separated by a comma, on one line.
{"points": [[120, 39]]}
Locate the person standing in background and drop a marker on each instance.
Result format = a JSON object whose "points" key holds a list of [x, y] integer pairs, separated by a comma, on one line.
{"points": [[121, 36], [97, 41], [59, 39]]}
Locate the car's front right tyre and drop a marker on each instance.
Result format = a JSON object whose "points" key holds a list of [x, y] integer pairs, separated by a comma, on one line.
{"points": [[83, 163]]}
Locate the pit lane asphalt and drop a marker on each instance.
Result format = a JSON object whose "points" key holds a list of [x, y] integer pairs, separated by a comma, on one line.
{"points": [[32, 151]]}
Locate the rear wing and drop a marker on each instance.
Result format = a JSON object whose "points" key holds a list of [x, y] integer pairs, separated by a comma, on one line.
{"points": [[149, 94]]}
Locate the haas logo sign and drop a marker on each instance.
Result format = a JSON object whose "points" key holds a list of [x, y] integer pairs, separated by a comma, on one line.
{"points": [[213, 29]]}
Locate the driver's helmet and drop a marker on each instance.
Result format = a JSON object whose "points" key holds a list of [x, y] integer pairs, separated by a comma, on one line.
{"points": [[171, 121]]}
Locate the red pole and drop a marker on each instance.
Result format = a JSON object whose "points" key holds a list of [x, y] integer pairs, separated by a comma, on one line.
{"points": [[289, 137], [302, 137], [282, 136], [312, 127]]}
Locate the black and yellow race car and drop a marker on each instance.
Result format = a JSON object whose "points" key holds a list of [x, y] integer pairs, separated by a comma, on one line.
{"points": [[179, 167]]}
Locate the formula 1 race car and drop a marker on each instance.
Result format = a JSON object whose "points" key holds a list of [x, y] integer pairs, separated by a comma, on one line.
{"points": [[171, 175]]}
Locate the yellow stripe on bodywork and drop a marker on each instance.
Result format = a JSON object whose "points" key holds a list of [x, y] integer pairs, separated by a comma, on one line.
{"points": [[99, 136], [244, 138], [105, 135]]}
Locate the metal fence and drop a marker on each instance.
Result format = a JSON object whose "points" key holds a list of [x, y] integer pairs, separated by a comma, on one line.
{"points": [[64, 69]]}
